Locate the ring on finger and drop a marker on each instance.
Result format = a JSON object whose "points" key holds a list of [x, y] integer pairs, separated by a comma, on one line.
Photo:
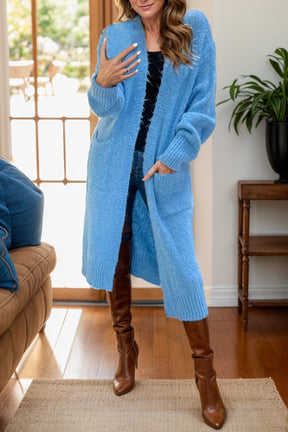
{"points": [[126, 70]]}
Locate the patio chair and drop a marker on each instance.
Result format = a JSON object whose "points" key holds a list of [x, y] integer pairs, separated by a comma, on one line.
{"points": [[20, 72], [42, 81]]}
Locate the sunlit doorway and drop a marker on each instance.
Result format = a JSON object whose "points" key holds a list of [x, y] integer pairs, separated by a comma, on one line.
{"points": [[52, 55]]}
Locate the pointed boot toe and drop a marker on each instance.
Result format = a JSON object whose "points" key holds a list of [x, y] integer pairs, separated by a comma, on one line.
{"points": [[122, 385], [215, 419]]}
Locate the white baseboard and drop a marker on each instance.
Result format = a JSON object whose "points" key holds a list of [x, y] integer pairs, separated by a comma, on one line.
{"points": [[219, 296]]}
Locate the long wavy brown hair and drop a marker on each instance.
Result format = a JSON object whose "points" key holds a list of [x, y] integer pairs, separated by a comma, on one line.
{"points": [[175, 37]]}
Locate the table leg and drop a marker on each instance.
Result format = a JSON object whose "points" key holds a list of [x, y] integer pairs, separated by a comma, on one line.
{"points": [[240, 255], [245, 262], [240, 276]]}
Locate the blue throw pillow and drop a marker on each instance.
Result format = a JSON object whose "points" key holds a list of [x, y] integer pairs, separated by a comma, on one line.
{"points": [[21, 207], [5, 220], [8, 275]]}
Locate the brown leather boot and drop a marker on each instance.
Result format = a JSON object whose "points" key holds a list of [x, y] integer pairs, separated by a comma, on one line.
{"points": [[213, 409], [120, 306]]}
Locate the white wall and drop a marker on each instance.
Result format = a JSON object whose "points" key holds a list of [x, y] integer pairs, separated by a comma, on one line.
{"points": [[245, 32], [201, 170]]}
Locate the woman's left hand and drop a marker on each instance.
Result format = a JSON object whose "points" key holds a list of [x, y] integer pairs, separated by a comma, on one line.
{"points": [[159, 167]]}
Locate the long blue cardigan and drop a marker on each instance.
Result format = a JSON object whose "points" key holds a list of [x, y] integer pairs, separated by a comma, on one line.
{"points": [[184, 117]]}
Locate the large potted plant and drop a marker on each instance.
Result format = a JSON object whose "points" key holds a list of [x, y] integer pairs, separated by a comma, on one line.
{"points": [[261, 99]]}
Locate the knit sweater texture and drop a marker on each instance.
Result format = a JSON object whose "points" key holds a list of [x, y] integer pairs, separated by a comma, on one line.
{"points": [[184, 117]]}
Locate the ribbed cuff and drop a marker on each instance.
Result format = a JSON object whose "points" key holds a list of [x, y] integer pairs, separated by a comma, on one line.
{"points": [[105, 96], [98, 275], [179, 151], [188, 306]]}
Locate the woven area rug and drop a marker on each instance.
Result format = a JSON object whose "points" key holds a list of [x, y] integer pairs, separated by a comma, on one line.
{"points": [[153, 406]]}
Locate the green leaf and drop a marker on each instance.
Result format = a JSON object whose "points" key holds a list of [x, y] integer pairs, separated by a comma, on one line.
{"points": [[236, 121], [283, 53], [253, 86], [276, 105], [284, 106], [249, 121], [269, 84], [233, 90], [245, 105], [277, 68], [259, 80], [234, 113], [259, 120], [223, 101]]}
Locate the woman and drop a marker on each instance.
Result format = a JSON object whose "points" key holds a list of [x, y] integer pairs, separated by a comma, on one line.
{"points": [[153, 91]]}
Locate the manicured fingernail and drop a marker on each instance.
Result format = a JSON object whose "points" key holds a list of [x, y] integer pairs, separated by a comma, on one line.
{"points": [[139, 60], [105, 39], [135, 44], [136, 70], [138, 52]]}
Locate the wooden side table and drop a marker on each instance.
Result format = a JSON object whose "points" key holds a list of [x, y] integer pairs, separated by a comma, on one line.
{"points": [[260, 245]]}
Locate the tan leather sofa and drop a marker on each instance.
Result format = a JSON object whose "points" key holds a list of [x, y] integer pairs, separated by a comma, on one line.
{"points": [[24, 313]]}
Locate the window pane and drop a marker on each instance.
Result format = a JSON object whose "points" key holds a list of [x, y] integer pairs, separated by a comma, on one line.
{"points": [[20, 53], [63, 228], [77, 147], [23, 146], [63, 53], [19, 107], [51, 150]]}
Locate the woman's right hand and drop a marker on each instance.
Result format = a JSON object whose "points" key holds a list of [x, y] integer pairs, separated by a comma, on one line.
{"points": [[114, 71]]}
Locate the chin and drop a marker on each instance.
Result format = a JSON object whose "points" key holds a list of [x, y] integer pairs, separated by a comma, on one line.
{"points": [[150, 12]]}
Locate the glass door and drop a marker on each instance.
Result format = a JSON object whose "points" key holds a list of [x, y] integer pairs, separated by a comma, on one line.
{"points": [[52, 56]]}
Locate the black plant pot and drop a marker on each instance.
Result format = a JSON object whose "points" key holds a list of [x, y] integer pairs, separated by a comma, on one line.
{"points": [[277, 148]]}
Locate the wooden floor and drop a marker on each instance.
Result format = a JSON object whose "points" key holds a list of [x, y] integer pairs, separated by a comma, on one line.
{"points": [[79, 343]]}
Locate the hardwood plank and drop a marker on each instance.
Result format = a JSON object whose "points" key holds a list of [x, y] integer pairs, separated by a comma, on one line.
{"points": [[160, 368], [160, 339], [49, 361], [273, 351], [215, 314], [178, 361], [34, 364], [85, 355], [220, 342], [143, 321], [108, 357], [65, 341]]}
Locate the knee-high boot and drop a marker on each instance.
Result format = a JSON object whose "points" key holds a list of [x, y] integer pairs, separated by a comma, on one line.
{"points": [[213, 409], [120, 307]]}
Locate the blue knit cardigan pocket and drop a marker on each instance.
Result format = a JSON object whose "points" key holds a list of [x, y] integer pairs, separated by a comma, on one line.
{"points": [[173, 192]]}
